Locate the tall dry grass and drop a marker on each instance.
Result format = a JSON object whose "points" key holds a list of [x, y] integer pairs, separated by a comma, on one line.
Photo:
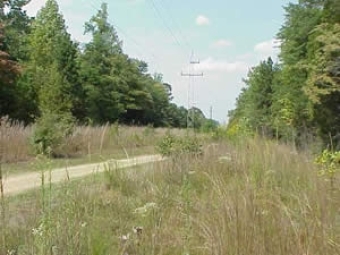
{"points": [[16, 142], [253, 197]]}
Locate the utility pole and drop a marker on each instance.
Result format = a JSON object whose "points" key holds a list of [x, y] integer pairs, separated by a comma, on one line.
{"points": [[211, 112], [191, 75]]}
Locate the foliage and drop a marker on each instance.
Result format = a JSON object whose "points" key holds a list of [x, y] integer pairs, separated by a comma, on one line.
{"points": [[49, 49], [300, 96], [209, 126], [173, 146], [43, 71], [257, 195], [50, 134], [9, 70], [239, 128], [329, 164], [101, 58]]}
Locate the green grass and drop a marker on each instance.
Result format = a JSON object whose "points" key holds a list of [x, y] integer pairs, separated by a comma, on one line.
{"points": [[253, 197]]}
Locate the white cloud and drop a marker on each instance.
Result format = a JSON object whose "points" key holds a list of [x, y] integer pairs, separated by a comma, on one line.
{"points": [[202, 20], [246, 57], [222, 43], [268, 48], [211, 64]]}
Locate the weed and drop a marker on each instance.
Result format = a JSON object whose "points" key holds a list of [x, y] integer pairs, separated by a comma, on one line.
{"points": [[50, 132], [329, 163], [174, 146], [262, 198]]}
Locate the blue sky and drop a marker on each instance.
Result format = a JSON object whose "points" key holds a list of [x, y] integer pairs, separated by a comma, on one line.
{"points": [[228, 37]]}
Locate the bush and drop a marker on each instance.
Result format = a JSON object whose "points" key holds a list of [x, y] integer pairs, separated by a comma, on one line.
{"points": [[329, 164], [50, 133], [209, 126], [171, 145], [219, 133]]}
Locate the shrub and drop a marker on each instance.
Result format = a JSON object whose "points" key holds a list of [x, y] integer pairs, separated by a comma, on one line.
{"points": [[50, 133], [209, 126], [171, 145], [219, 133], [329, 164]]}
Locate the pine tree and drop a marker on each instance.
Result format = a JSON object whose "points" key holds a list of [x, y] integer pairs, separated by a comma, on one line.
{"points": [[101, 63], [52, 59], [52, 53]]}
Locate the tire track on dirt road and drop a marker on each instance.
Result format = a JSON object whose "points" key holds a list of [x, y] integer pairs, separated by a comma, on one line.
{"points": [[20, 183]]}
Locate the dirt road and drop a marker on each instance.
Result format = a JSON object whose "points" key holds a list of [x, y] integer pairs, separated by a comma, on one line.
{"points": [[23, 182]]}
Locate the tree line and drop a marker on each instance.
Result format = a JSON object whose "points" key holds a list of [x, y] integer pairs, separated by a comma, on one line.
{"points": [[298, 97], [46, 77]]}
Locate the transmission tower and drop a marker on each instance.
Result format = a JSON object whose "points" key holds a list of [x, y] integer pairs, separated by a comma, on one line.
{"points": [[191, 75]]}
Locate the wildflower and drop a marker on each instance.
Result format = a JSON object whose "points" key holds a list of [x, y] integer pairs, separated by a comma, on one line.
{"points": [[140, 210], [224, 159], [37, 232], [125, 238], [150, 205], [144, 209], [12, 252], [137, 230]]}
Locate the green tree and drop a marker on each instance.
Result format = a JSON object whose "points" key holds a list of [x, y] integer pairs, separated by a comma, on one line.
{"points": [[260, 84], [255, 103], [9, 70], [50, 70], [291, 107], [52, 60], [323, 83], [157, 114], [22, 96], [17, 30], [101, 63], [302, 94], [331, 11]]}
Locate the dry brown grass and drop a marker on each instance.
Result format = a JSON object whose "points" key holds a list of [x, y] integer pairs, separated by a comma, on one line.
{"points": [[15, 140]]}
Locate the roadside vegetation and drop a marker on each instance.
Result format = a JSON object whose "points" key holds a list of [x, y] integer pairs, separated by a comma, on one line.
{"points": [[297, 98], [86, 144], [268, 183], [247, 197]]}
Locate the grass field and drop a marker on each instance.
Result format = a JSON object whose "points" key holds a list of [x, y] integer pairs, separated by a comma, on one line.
{"points": [[250, 197], [87, 144]]}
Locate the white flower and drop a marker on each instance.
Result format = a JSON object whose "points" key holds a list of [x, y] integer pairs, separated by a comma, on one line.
{"points": [[125, 238], [137, 230], [144, 209], [225, 159]]}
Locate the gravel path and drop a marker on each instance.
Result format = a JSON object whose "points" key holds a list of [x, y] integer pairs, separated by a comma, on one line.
{"points": [[20, 183]]}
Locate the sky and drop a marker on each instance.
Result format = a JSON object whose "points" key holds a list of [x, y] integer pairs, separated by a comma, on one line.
{"points": [[226, 37]]}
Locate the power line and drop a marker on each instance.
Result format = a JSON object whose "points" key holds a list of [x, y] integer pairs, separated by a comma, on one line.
{"points": [[185, 39], [127, 36], [164, 22], [191, 76], [138, 45]]}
